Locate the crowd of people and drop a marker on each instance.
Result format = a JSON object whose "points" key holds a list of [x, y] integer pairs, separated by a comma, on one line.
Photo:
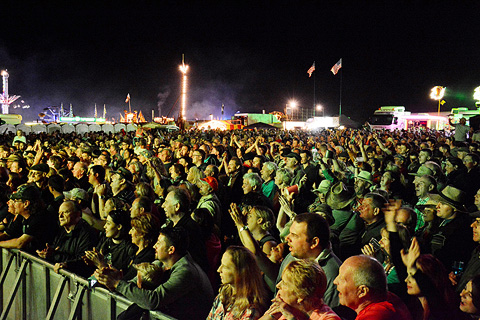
{"points": [[336, 224]]}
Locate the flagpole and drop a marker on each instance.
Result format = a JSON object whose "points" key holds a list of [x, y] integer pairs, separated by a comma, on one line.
{"points": [[314, 96], [340, 106]]}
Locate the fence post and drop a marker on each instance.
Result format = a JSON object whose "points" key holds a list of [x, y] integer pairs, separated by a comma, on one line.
{"points": [[20, 275]]}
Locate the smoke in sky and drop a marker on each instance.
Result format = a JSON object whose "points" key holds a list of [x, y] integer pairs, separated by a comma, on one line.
{"points": [[162, 98]]}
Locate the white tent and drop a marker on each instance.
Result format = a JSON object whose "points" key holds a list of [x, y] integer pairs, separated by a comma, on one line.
{"points": [[53, 127], [119, 126], [26, 129], [39, 128], [94, 127], [131, 127], [108, 128], [68, 128], [4, 128], [82, 128]]}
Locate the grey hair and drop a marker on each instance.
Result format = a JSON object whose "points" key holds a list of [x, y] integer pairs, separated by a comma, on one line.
{"points": [[286, 174], [272, 167], [253, 179]]}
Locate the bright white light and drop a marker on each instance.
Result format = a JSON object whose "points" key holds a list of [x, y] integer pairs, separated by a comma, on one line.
{"points": [[319, 107], [437, 93], [183, 69], [293, 104], [476, 94], [214, 125]]}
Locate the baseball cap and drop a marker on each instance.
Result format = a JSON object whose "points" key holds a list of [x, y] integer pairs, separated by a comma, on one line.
{"points": [[294, 155], [127, 175], [27, 192], [212, 182], [146, 153], [422, 171], [40, 167]]}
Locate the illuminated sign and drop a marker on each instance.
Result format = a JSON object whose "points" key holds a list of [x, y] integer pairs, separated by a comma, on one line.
{"points": [[81, 119]]}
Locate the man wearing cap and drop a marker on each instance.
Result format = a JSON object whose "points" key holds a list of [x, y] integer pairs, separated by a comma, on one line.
{"points": [[348, 226], [10, 159], [293, 162], [38, 175], [122, 185], [144, 155], [363, 183], [209, 200], [33, 227], [453, 241]]}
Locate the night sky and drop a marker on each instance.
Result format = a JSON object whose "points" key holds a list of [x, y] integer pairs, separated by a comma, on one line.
{"points": [[249, 55]]}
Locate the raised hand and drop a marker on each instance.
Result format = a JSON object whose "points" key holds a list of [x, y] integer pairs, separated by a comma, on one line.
{"points": [[409, 258]]}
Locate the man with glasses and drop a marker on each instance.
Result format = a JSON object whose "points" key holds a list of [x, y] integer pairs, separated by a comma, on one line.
{"points": [[198, 157], [38, 176]]}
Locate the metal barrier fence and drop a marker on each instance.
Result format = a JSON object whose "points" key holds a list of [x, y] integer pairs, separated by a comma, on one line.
{"points": [[30, 289]]}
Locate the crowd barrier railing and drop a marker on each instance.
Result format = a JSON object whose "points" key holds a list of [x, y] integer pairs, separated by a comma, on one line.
{"points": [[30, 289]]}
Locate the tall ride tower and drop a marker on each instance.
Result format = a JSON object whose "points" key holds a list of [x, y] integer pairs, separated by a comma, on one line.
{"points": [[6, 100]]}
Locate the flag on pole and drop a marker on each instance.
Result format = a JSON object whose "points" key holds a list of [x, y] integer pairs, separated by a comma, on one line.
{"points": [[128, 98], [336, 67], [312, 68]]}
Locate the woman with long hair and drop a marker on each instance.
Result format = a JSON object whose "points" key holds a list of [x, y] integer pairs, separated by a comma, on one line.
{"points": [[429, 285], [470, 298], [300, 294], [242, 294]]}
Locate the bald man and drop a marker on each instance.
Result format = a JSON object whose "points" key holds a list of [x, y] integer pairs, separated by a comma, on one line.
{"points": [[362, 287]]}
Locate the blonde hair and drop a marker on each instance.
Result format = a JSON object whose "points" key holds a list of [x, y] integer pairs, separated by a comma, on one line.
{"points": [[150, 274], [309, 279], [249, 287]]}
